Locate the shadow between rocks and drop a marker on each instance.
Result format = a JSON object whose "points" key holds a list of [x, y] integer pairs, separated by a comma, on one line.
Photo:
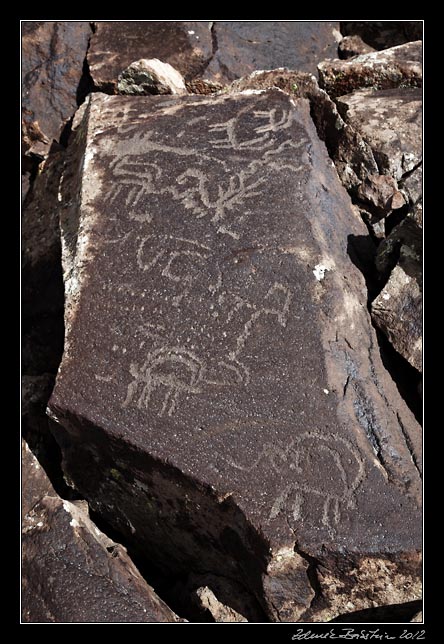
{"points": [[362, 251]]}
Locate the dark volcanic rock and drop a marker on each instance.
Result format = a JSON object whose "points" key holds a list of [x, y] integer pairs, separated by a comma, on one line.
{"points": [[52, 66], [382, 35], [396, 67], [242, 47], [187, 46], [72, 572], [222, 399], [390, 122], [353, 46]]}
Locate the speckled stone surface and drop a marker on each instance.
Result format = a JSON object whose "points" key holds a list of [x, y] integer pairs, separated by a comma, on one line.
{"points": [[222, 399]]}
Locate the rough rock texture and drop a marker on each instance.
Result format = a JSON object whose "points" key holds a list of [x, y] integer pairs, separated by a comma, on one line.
{"points": [[72, 572], [52, 64], [390, 122], [205, 228], [212, 598], [382, 35], [408, 236], [396, 67], [150, 77], [187, 46], [381, 192], [418, 617], [353, 46], [220, 613], [398, 308], [242, 47]]}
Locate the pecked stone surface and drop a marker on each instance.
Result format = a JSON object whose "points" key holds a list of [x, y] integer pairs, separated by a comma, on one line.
{"points": [[72, 572], [52, 64], [221, 397], [187, 46], [395, 67]]}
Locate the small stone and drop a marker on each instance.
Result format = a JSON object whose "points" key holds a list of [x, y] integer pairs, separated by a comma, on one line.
{"points": [[379, 191], [399, 315], [219, 612], [115, 45], [353, 46], [150, 77]]}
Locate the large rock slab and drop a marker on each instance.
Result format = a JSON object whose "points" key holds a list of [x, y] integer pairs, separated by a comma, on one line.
{"points": [[221, 397], [71, 571], [242, 47], [387, 69], [52, 67], [390, 122], [187, 46]]}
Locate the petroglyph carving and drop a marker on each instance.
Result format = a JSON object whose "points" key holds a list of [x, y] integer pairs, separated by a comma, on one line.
{"points": [[278, 296], [226, 197], [178, 259], [172, 370], [294, 463], [138, 172], [232, 132]]}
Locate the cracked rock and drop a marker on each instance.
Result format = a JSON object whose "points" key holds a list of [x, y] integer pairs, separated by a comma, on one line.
{"points": [[205, 228], [243, 47], [71, 571], [52, 64], [391, 68], [187, 46]]}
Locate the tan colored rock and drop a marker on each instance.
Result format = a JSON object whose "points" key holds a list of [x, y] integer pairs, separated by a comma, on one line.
{"points": [[220, 613], [150, 77]]}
